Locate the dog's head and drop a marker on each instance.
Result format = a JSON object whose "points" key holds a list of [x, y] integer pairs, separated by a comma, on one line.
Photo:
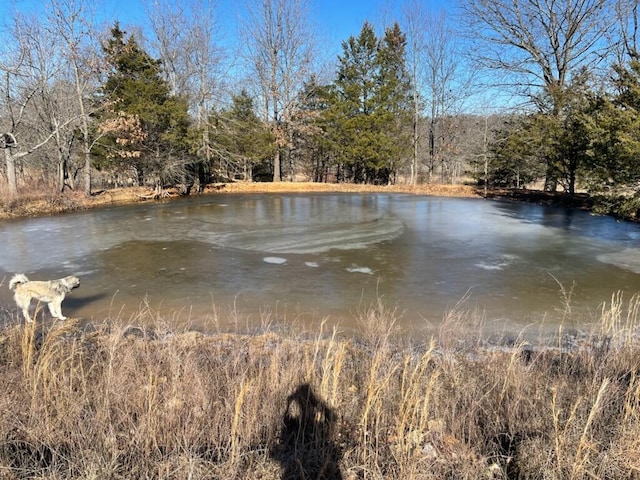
{"points": [[70, 282]]}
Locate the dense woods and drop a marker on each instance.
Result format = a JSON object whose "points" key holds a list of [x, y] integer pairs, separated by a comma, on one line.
{"points": [[505, 94]]}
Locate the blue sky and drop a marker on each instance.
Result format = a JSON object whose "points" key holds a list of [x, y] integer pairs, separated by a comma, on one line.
{"points": [[341, 18], [336, 20]]}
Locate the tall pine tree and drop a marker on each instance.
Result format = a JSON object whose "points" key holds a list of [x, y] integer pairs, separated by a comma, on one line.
{"points": [[394, 98], [369, 107]]}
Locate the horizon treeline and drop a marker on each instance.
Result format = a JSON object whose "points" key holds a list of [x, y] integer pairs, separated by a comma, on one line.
{"points": [[419, 98]]}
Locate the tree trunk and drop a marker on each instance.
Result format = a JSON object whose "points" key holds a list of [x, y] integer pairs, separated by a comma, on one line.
{"points": [[432, 149], [87, 174], [62, 174], [202, 178], [11, 172], [276, 166], [414, 159], [550, 179], [62, 161]]}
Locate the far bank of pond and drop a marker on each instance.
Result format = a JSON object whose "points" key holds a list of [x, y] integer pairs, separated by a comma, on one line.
{"points": [[30, 204], [33, 204]]}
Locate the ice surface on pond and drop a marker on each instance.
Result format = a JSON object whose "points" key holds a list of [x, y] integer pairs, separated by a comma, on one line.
{"points": [[628, 259], [272, 224], [326, 253], [302, 231]]}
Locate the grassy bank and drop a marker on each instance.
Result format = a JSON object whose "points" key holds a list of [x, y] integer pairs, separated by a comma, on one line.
{"points": [[121, 402], [29, 204]]}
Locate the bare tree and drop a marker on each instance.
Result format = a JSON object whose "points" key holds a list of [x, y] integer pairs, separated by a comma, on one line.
{"points": [[628, 16], [187, 35], [71, 22], [539, 44], [13, 104], [439, 78], [415, 21], [279, 48], [31, 101]]}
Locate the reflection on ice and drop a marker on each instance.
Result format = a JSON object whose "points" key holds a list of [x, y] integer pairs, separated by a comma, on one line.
{"points": [[495, 266]]}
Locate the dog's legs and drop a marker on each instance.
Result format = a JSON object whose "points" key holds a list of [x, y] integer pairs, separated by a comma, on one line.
{"points": [[25, 312], [56, 310], [24, 306], [59, 310]]}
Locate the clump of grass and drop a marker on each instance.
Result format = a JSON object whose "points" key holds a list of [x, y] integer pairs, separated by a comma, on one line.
{"points": [[30, 203], [119, 401]]}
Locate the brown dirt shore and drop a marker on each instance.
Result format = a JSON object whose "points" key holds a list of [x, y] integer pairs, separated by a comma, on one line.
{"points": [[37, 204]]}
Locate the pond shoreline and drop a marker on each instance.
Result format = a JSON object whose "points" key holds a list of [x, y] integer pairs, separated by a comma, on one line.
{"points": [[42, 204], [35, 204]]}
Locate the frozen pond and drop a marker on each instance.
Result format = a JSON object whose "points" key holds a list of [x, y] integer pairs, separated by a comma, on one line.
{"points": [[300, 258]]}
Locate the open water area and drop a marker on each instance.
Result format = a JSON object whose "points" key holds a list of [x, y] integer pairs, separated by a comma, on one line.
{"points": [[301, 260]]}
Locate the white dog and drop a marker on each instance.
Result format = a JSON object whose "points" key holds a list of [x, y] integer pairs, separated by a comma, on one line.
{"points": [[52, 292]]}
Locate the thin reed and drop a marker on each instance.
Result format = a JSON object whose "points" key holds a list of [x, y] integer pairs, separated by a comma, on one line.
{"points": [[116, 401]]}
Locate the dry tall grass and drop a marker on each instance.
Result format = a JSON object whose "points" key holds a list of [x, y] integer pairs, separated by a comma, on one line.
{"points": [[120, 402]]}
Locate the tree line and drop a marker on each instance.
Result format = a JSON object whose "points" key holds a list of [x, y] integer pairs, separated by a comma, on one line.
{"points": [[84, 105]]}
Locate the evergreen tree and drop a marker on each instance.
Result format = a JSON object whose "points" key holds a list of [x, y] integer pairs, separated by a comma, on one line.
{"points": [[350, 115], [368, 107], [615, 130], [518, 155], [145, 128], [394, 98], [242, 141], [556, 140]]}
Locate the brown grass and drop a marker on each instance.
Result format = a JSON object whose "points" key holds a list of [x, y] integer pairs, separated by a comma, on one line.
{"points": [[34, 203], [303, 187], [118, 402]]}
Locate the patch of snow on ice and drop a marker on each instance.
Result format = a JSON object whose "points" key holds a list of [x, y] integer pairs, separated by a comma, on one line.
{"points": [[366, 270], [275, 260]]}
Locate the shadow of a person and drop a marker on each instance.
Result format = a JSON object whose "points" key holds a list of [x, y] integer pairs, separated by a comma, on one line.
{"points": [[305, 449]]}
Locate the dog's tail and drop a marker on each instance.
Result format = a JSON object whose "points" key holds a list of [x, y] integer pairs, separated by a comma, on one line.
{"points": [[18, 278]]}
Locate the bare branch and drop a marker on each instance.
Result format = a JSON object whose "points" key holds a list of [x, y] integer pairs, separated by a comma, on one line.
{"points": [[280, 50], [539, 42]]}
